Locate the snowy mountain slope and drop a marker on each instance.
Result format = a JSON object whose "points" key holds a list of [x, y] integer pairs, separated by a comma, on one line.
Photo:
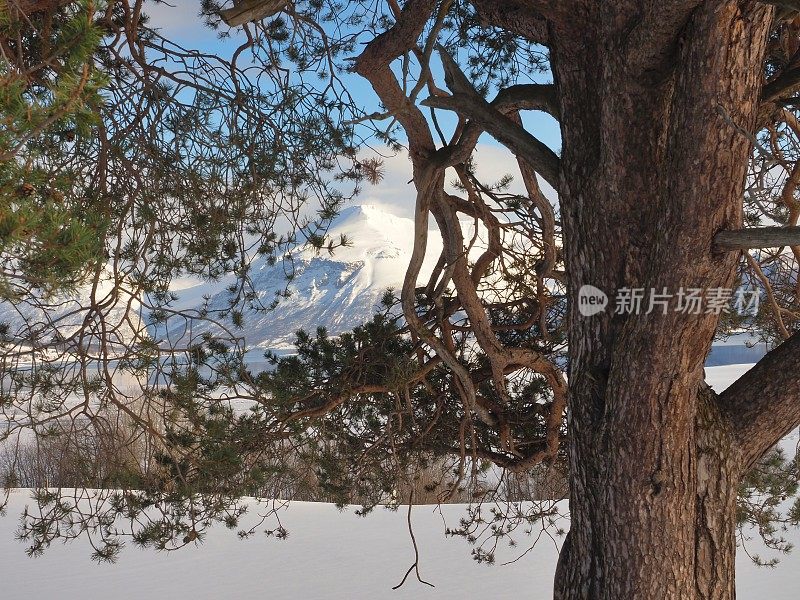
{"points": [[120, 312], [338, 291]]}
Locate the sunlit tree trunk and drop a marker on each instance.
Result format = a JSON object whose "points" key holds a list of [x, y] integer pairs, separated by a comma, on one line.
{"points": [[653, 166]]}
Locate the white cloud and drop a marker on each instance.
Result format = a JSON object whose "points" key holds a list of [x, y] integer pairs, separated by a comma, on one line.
{"points": [[179, 19], [396, 191]]}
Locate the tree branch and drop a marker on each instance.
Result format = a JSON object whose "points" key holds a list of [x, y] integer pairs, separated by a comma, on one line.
{"points": [[251, 10], [528, 20], [468, 102], [785, 84], [373, 65], [764, 404], [31, 7], [757, 237], [529, 96]]}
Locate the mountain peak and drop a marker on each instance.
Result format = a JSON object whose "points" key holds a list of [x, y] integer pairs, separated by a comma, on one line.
{"points": [[338, 291]]}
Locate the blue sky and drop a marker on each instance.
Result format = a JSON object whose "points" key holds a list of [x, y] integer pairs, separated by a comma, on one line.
{"points": [[180, 21]]}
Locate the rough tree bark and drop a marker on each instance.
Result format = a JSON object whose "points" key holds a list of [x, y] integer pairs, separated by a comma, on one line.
{"points": [[655, 103]]}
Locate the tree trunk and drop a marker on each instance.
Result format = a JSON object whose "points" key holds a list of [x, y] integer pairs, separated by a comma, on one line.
{"points": [[657, 104], [709, 529], [653, 111], [718, 468]]}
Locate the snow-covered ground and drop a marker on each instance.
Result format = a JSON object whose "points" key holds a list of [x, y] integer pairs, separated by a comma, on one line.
{"points": [[329, 555], [720, 378]]}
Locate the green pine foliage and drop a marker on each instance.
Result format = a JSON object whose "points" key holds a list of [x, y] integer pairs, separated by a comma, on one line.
{"points": [[45, 243], [768, 502], [50, 98], [52, 84]]}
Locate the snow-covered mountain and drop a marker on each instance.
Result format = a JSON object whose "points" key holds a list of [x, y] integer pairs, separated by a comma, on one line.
{"points": [[338, 291]]}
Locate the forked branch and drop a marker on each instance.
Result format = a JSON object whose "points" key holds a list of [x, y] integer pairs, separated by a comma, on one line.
{"points": [[467, 102], [764, 403]]}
